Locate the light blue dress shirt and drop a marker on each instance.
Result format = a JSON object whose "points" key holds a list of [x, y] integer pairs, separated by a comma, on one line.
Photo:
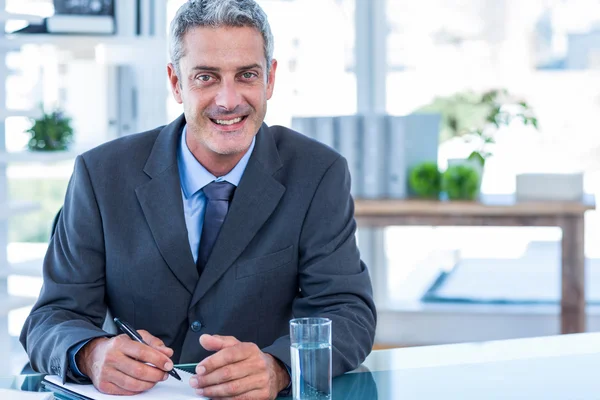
{"points": [[193, 177]]}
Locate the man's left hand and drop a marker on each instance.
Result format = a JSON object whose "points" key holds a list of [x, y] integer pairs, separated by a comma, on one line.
{"points": [[238, 371]]}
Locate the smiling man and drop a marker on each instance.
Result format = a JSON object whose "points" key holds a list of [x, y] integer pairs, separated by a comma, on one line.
{"points": [[223, 81], [208, 235]]}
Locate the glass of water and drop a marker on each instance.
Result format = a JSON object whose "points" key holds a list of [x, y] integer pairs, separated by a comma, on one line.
{"points": [[311, 358]]}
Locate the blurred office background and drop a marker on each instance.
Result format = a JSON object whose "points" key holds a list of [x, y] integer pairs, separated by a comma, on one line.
{"points": [[336, 57]]}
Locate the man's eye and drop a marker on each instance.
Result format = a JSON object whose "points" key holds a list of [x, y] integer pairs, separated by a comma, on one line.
{"points": [[248, 75], [203, 78]]}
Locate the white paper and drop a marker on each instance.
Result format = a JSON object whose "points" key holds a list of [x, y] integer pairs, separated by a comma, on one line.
{"points": [[7, 394], [171, 389]]}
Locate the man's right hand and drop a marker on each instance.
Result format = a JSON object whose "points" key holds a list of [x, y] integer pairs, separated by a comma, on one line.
{"points": [[119, 365]]}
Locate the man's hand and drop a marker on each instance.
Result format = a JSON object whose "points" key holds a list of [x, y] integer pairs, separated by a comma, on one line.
{"points": [[118, 365], [238, 371]]}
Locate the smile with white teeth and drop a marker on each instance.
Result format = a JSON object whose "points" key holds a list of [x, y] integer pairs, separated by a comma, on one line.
{"points": [[228, 121]]}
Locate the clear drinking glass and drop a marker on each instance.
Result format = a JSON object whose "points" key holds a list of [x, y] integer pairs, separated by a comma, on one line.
{"points": [[311, 358]]}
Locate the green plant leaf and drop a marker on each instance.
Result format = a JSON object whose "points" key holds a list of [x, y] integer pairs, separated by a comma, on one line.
{"points": [[534, 122], [467, 113], [461, 182], [425, 180], [477, 156], [489, 96], [50, 132], [453, 123]]}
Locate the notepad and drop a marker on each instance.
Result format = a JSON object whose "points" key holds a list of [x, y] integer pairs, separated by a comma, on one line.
{"points": [[170, 389]]}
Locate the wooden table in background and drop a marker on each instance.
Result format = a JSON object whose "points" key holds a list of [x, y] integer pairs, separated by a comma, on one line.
{"points": [[500, 210]]}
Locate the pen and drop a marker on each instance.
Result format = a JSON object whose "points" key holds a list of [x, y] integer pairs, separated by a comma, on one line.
{"points": [[134, 335]]}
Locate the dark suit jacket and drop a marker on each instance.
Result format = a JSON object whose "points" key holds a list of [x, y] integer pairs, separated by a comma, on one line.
{"points": [[286, 249]]}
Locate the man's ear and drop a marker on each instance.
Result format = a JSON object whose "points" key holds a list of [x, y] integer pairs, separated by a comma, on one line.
{"points": [[271, 79], [175, 83]]}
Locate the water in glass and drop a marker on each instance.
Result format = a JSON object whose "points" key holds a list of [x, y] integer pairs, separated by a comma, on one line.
{"points": [[311, 371]]}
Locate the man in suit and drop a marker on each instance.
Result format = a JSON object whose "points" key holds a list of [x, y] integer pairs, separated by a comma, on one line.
{"points": [[208, 234]]}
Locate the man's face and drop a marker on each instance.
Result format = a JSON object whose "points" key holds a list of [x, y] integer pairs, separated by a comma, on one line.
{"points": [[224, 88]]}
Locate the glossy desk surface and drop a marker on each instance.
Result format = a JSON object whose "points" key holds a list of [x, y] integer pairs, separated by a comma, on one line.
{"points": [[555, 367]]}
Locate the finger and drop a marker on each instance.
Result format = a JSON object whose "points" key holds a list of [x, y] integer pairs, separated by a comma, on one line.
{"points": [[155, 342], [217, 342], [167, 351], [230, 372], [147, 354], [129, 383], [111, 388], [229, 339], [150, 338], [229, 355], [235, 388], [140, 371]]}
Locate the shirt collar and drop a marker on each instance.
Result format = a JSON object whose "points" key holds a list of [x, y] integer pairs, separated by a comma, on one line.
{"points": [[193, 176]]}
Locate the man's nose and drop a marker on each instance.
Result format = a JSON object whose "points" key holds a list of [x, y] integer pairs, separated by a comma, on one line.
{"points": [[228, 97]]}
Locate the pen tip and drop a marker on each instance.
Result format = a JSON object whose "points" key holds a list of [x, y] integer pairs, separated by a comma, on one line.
{"points": [[174, 374]]}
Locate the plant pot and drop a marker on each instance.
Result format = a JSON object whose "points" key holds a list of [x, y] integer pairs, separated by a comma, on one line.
{"points": [[50, 132], [42, 145], [425, 181], [462, 180]]}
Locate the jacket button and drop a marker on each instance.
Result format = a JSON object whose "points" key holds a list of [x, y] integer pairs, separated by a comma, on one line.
{"points": [[196, 326]]}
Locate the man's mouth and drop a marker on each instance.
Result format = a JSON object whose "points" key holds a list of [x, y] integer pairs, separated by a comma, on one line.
{"points": [[228, 122]]}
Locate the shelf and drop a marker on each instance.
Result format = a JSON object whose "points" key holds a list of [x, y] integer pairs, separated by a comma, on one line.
{"points": [[20, 113], [26, 156], [17, 207], [31, 268], [6, 16], [487, 206], [75, 41], [9, 303]]}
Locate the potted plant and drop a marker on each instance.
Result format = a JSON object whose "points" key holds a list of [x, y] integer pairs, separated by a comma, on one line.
{"points": [[51, 132], [461, 182], [425, 180], [477, 117]]}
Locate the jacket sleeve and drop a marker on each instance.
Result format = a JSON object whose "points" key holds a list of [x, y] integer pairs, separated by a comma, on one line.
{"points": [[334, 282], [71, 307]]}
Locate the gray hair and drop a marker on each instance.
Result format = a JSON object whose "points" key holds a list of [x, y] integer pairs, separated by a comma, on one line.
{"points": [[218, 13]]}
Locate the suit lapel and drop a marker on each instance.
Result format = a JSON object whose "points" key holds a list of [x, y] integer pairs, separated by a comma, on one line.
{"points": [[162, 204], [255, 199]]}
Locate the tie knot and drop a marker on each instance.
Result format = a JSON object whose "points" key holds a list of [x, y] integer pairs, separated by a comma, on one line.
{"points": [[219, 190]]}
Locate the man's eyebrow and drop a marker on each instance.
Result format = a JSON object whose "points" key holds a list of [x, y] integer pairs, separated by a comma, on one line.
{"points": [[215, 69], [205, 68], [251, 66]]}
